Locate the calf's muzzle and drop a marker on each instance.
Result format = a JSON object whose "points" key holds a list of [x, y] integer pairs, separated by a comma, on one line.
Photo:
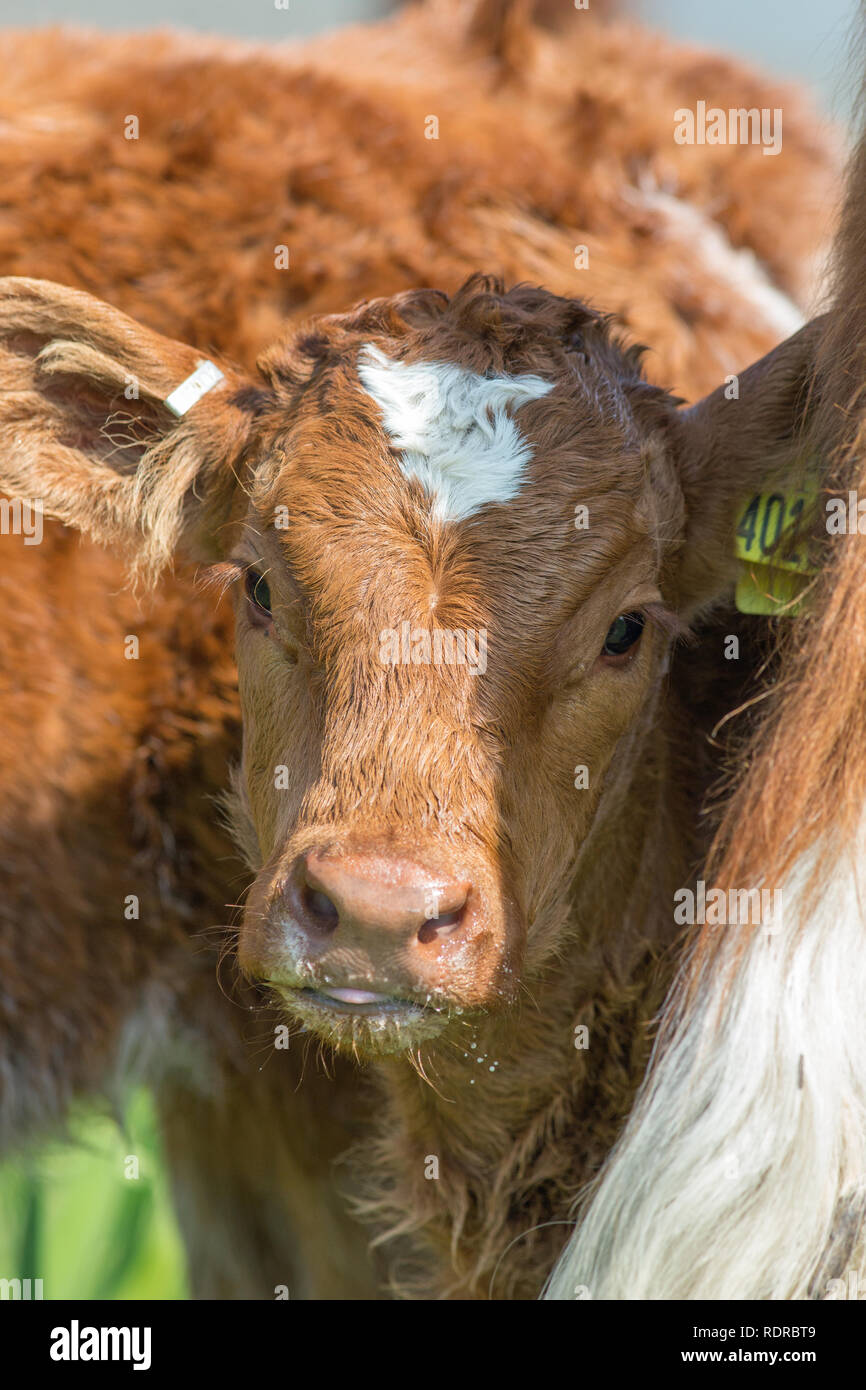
{"points": [[355, 928]]}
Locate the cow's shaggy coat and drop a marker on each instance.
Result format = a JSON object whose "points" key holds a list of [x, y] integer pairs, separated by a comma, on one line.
{"points": [[742, 1171]]}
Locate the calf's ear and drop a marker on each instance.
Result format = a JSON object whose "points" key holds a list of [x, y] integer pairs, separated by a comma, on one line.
{"points": [[112, 428], [751, 435]]}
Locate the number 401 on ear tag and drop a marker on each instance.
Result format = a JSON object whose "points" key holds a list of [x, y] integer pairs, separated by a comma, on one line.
{"points": [[774, 573]]}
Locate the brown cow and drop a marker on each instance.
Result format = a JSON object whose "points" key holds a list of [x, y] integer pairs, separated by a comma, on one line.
{"points": [[462, 534], [742, 1170]]}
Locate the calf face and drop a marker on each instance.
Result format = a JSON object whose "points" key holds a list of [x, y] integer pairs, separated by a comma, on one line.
{"points": [[460, 603], [458, 536]]}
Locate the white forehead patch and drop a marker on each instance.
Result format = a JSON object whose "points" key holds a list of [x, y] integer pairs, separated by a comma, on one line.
{"points": [[453, 428]]}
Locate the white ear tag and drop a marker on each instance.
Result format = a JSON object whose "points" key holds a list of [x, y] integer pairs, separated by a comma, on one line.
{"points": [[205, 376]]}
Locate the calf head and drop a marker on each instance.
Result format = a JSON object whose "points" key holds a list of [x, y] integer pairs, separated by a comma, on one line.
{"points": [[461, 536]]}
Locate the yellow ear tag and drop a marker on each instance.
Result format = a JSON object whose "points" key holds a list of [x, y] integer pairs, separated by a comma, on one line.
{"points": [[774, 572]]}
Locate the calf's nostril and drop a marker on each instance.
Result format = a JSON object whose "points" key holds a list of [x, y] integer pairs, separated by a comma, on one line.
{"points": [[320, 907], [443, 925]]}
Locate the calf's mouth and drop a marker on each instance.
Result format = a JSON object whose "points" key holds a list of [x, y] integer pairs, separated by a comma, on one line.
{"points": [[363, 1002], [362, 1021]]}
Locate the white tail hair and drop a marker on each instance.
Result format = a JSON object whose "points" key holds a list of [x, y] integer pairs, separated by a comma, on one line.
{"points": [[741, 1173]]}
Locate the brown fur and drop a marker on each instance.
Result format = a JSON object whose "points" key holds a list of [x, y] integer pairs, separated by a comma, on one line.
{"points": [[805, 764], [788, 1219], [109, 766]]}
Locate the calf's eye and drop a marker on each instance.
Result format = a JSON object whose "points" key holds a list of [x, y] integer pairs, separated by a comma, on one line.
{"points": [[623, 634], [259, 595]]}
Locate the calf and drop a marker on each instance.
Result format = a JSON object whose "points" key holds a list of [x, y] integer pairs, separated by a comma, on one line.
{"points": [[462, 532], [464, 870]]}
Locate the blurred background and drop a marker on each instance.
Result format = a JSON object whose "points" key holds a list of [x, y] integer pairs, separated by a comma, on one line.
{"points": [[77, 1214], [792, 38], [90, 1214]]}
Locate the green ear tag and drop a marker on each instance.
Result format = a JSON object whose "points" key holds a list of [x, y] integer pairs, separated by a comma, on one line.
{"points": [[774, 572]]}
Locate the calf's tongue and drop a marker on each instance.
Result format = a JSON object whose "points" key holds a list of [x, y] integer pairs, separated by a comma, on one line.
{"points": [[356, 996]]}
